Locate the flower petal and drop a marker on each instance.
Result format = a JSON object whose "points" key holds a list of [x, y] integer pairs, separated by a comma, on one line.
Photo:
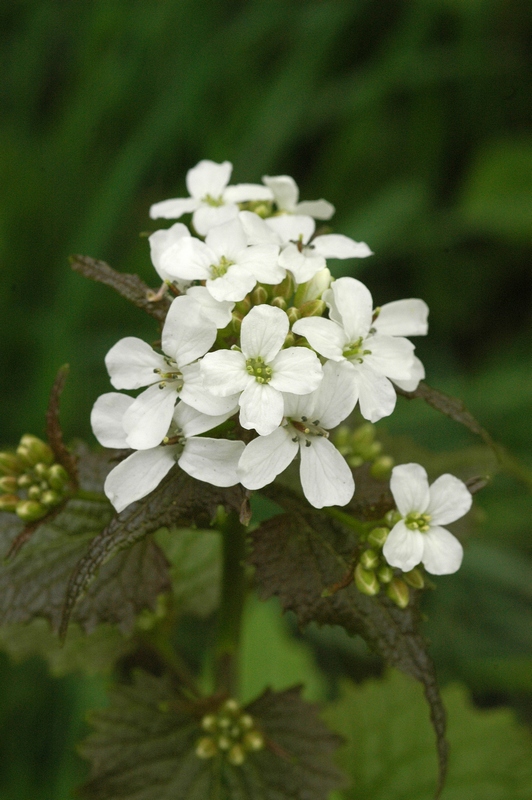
{"points": [[217, 311], [353, 303], [376, 394], [392, 356], [187, 259], [233, 286], [208, 178], [417, 373], [285, 191], [266, 457], [303, 265], [138, 475], [106, 419], [214, 461], [227, 240], [261, 408], [148, 418], [403, 548], [297, 370], [325, 476], [409, 485], [336, 395], [243, 192], [161, 241], [174, 208], [335, 245], [224, 372], [196, 394], [263, 332], [442, 553], [449, 500], [207, 217], [262, 262], [319, 209], [131, 363], [325, 336], [292, 228], [193, 422], [187, 333], [403, 318], [256, 229]]}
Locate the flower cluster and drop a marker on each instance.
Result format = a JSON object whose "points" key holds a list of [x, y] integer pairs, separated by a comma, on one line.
{"points": [[261, 348], [231, 732]]}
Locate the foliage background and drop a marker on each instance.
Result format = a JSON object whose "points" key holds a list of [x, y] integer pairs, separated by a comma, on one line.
{"points": [[412, 117]]}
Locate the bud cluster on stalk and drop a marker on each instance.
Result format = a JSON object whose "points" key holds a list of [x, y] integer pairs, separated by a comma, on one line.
{"points": [[32, 482], [360, 445], [231, 732]]}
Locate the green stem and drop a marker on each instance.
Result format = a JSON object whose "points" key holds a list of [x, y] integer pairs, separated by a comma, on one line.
{"points": [[349, 521], [97, 497], [232, 603]]}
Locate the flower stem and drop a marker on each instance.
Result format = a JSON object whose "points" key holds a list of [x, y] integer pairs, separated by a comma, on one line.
{"points": [[97, 497], [232, 603]]}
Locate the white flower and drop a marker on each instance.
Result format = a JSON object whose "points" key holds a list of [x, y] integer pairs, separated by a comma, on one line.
{"points": [[219, 311], [211, 200], [163, 241], [418, 537], [404, 318], [262, 370], [187, 334], [373, 359], [303, 255], [325, 476], [229, 266], [286, 196], [211, 460]]}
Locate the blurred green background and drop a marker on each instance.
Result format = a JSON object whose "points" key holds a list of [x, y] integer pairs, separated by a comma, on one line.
{"points": [[413, 117]]}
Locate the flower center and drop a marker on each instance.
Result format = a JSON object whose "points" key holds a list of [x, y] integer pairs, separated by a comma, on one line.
{"points": [[174, 436], [215, 202], [418, 522], [171, 375], [259, 370], [306, 428], [353, 351], [217, 270]]}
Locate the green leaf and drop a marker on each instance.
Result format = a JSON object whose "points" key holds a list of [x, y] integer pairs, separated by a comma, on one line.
{"points": [[178, 500], [299, 554], [144, 743], [389, 752], [131, 287]]}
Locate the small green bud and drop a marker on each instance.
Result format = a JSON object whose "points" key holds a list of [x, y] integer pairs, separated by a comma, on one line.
{"points": [[208, 723], [57, 476], [355, 461], [30, 510], [25, 481], [293, 314], [50, 498], [366, 581], [10, 464], [224, 721], [382, 467], [364, 434], [34, 492], [285, 288], [41, 471], [371, 451], [8, 483], [242, 307], [314, 308], [236, 755], [279, 302], [393, 517], [378, 536], [259, 295], [414, 578], [253, 740], [231, 705], [32, 449], [369, 559], [342, 439], [290, 340], [246, 722], [236, 323], [206, 748], [313, 289], [385, 574], [398, 591], [9, 502], [224, 742]]}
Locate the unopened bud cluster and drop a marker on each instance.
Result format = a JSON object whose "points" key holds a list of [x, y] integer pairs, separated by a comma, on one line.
{"points": [[373, 572], [31, 483], [360, 445], [231, 732]]}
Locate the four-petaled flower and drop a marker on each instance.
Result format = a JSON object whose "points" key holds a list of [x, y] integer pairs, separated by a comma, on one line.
{"points": [[419, 537], [286, 195]]}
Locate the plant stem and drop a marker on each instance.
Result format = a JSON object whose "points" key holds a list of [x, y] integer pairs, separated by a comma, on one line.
{"points": [[232, 603], [97, 497]]}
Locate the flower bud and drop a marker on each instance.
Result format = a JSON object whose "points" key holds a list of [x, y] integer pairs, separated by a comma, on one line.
{"points": [[32, 450], [231, 705], [9, 484], [208, 723], [342, 439], [25, 481], [50, 498], [30, 510], [285, 288], [236, 323], [57, 476], [363, 435], [369, 559], [398, 591], [41, 470], [10, 464], [246, 722], [314, 308], [236, 755], [385, 573], [279, 302], [378, 536], [34, 492], [243, 306], [9, 502], [393, 517], [290, 339], [414, 578], [253, 740], [314, 288], [206, 748], [259, 295], [293, 314], [382, 467], [224, 742], [366, 581]]}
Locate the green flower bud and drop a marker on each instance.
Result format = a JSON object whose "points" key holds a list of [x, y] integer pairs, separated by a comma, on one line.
{"points": [[34, 492], [382, 467], [9, 502], [231, 705], [385, 574], [41, 471], [30, 510], [243, 306], [378, 536], [209, 723], [236, 323], [355, 461], [314, 308], [285, 288], [259, 295], [366, 581], [342, 439], [50, 498], [279, 302], [253, 740], [9, 484], [371, 451], [246, 722], [32, 449], [10, 464], [57, 476], [290, 340], [206, 748], [369, 559], [364, 434], [414, 578], [398, 591], [25, 481], [293, 314], [224, 742], [236, 755], [313, 289], [393, 517]]}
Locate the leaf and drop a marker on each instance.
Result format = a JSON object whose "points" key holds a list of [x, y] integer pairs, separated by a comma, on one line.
{"points": [[143, 748], [131, 287], [178, 500], [302, 552], [389, 752]]}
